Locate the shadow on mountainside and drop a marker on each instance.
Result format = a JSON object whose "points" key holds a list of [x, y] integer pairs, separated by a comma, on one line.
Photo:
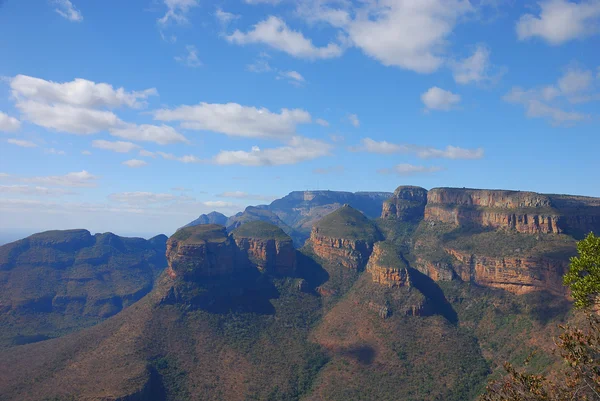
{"points": [[361, 353], [434, 293], [311, 271]]}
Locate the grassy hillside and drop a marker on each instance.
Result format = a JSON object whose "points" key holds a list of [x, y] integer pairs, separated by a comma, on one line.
{"points": [[347, 222], [260, 230]]}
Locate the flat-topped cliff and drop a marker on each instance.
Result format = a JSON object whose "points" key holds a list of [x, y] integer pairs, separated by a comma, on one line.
{"points": [[344, 237], [267, 246], [407, 204]]}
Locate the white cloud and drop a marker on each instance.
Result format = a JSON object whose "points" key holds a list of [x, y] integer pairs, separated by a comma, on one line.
{"points": [[67, 118], [298, 150], [254, 2], [134, 163], [224, 17], [576, 85], [219, 204], [353, 118], [52, 151], [79, 92], [237, 120], [245, 195], [177, 11], [183, 159], [410, 169], [86, 152], [161, 134], [138, 198], [423, 152], [34, 191], [560, 21], [259, 66], [475, 69], [191, 58], [22, 143], [146, 153], [76, 107], [407, 34], [117, 146], [329, 170], [67, 10], [275, 33], [438, 99], [75, 179], [294, 77], [8, 123], [322, 122]]}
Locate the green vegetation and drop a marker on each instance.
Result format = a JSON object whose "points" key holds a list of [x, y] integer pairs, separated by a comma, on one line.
{"points": [[584, 274], [260, 230], [348, 223], [201, 233]]}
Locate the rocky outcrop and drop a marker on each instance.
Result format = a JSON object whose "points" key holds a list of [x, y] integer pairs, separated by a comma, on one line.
{"points": [[407, 204], [525, 212], [353, 254], [386, 268], [201, 251], [518, 275], [272, 252], [345, 237]]}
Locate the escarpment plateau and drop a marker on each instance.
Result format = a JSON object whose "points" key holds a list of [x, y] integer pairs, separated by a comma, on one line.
{"points": [[407, 204]]}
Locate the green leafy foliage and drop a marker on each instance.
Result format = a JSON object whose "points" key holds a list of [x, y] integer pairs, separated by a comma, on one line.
{"points": [[260, 230], [348, 223], [584, 274]]}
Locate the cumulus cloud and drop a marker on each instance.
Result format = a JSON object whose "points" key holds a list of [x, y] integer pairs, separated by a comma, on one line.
{"points": [[245, 195], [146, 153], [52, 151], [177, 11], [8, 123], [33, 190], [141, 197], [353, 118], [161, 134], [236, 120], [117, 146], [423, 152], [190, 59], [476, 68], [22, 143], [79, 92], [293, 77], [576, 85], [275, 33], [298, 150], [410, 169], [77, 107], [75, 179], [560, 21], [322, 122], [183, 159], [134, 163], [219, 204], [67, 10], [439, 99], [224, 17]]}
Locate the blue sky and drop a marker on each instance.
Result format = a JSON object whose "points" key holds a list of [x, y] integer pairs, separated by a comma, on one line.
{"points": [[136, 116]]}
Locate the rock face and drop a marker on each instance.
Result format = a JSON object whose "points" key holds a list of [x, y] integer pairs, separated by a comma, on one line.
{"points": [[267, 247], [201, 251], [407, 204], [525, 212], [518, 275], [386, 268], [345, 237]]}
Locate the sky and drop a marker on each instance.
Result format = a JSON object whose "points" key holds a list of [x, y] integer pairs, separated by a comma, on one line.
{"points": [[137, 116]]}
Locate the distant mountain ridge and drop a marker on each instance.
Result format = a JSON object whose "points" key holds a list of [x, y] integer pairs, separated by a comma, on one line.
{"points": [[57, 280]]}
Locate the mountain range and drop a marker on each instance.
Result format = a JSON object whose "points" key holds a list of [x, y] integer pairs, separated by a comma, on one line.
{"points": [[321, 295]]}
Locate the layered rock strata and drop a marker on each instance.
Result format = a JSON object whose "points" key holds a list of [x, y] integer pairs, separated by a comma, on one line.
{"points": [[386, 268], [407, 204]]}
